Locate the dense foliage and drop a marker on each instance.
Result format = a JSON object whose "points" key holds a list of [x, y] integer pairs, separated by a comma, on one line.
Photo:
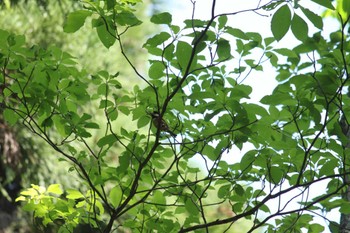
{"points": [[137, 177]]}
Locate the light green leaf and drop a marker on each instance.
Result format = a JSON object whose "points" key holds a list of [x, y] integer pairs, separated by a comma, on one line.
{"points": [[55, 189], [75, 20], [299, 28], [159, 198], [280, 22], [74, 194], [115, 196]]}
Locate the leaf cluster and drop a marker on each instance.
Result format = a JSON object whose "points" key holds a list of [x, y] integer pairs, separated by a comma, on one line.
{"points": [[195, 81]]}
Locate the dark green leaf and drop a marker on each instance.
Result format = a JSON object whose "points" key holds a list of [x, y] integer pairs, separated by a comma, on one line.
{"points": [[316, 20], [280, 22], [107, 37], [299, 28], [325, 3], [224, 49], [334, 227], [110, 4], [346, 6]]}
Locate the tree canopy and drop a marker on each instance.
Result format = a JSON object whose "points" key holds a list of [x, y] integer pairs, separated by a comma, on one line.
{"points": [[137, 177]]}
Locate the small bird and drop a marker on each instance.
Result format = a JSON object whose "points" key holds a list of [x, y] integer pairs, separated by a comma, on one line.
{"points": [[159, 123]]}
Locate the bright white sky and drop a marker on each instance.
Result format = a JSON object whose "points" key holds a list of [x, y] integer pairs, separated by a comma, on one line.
{"points": [[262, 82]]}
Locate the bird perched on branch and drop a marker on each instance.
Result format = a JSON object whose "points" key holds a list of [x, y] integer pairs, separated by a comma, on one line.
{"points": [[160, 124]]}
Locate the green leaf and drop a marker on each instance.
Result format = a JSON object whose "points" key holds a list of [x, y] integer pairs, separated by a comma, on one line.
{"points": [[276, 175], [325, 3], [316, 20], [346, 6], [156, 71], [110, 4], [345, 208], [115, 196], [183, 54], [191, 207], [10, 116], [143, 121], [222, 21], [239, 190], [334, 227], [159, 198], [299, 28], [286, 52], [55, 189], [157, 39], [280, 22], [74, 194], [238, 33], [107, 37], [127, 19], [107, 140], [162, 18], [75, 20], [224, 191], [247, 161], [224, 49]]}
